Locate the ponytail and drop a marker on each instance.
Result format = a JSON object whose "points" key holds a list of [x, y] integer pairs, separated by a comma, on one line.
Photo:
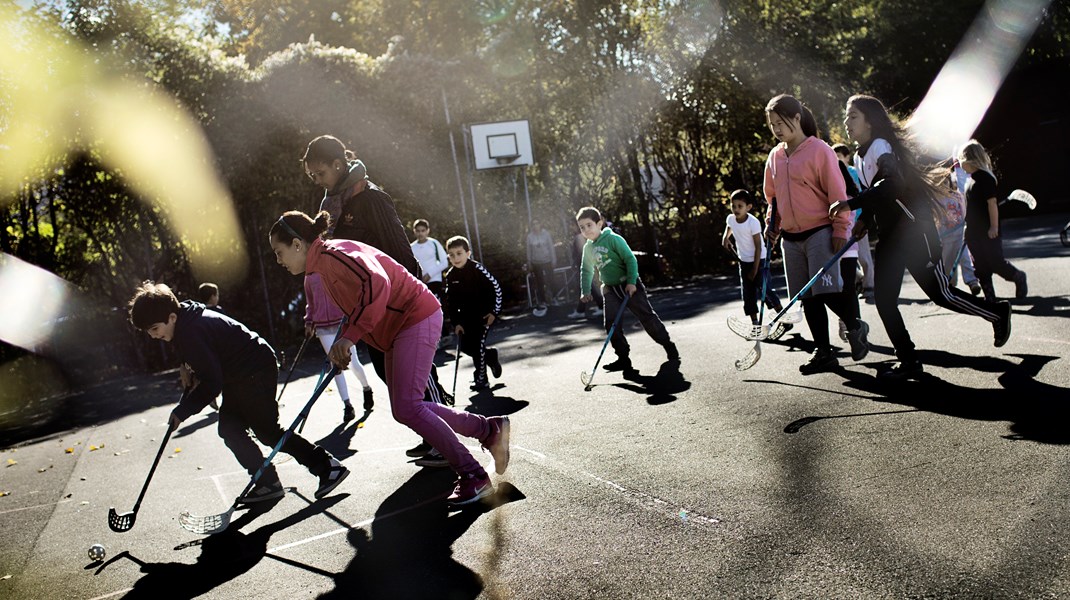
{"points": [[294, 224]]}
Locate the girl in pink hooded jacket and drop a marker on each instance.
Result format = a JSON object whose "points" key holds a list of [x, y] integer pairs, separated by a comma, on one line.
{"points": [[802, 175], [392, 311]]}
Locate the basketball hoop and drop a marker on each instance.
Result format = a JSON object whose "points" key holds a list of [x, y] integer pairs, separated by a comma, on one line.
{"points": [[504, 160]]}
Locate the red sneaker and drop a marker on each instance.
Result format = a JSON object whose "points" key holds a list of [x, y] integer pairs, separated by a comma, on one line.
{"points": [[470, 488]]}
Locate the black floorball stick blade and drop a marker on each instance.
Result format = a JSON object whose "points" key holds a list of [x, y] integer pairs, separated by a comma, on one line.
{"points": [[120, 523]]}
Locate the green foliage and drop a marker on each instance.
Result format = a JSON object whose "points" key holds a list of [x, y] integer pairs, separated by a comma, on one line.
{"points": [[652, 110]]}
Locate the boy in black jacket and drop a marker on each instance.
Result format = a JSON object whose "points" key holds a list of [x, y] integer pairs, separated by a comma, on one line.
{"points": [[474, 299], [226, 357]]}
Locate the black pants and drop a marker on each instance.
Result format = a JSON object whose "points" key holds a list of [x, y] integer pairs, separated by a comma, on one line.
{"points": [[434, 391], [638, 305], [250, 403], [915, 252], [474, 344], [751, 289], [988, 260], [849, 274], [543, 273]]}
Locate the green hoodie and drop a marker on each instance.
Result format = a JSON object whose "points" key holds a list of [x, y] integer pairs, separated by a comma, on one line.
{"points": [[612, 257]]}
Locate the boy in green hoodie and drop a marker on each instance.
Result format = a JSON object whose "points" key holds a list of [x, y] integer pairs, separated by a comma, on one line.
{"points": [[619, 271]]}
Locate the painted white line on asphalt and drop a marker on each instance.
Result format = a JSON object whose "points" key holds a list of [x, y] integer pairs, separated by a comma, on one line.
{"points": [[129, 589], [11, 510], [358, 525], [656, 504], [538, 455], [219, 488]]}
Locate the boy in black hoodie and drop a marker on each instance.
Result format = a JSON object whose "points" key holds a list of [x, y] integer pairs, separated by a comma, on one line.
{"points": [[224, 356], [474, 299]]}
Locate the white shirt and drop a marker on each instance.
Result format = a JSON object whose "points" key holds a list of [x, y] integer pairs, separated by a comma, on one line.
{"points": [[432, 258], [867, 165], [744, 234]]}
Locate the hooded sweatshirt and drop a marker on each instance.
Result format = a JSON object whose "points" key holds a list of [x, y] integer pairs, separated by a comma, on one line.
{"points": [[378, 295], [615, 261], [805, 184], [219, 350]]}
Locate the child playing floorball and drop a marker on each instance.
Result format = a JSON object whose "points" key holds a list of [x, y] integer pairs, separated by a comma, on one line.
{"points": [[745, 230], [619, 271], [899, 200], [394, 312], [226, 357], [475, 301]]}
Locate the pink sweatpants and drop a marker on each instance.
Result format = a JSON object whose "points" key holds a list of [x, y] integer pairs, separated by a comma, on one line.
{"points": [[408, 365]]}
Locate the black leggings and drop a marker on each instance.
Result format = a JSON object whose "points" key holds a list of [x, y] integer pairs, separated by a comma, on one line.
{"points": [[914, 252]]}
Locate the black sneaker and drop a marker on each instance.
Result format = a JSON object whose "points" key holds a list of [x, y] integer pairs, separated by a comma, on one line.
{"points": [[479, 386], [1021, 285], [621, 364], [671, 353], [820, 361], [493, 362], [419, 450], [433, 458], [858, 338], [905, 370], [348, 414], [369, 401], [330, 480], [1001, 327], [262, 492]]}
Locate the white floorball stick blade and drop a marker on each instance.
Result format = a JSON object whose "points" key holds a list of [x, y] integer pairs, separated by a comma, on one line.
{"points": [[1025, 197], [747, 330], [795, 316], [585, 378], [207, 525], [750, 359]]}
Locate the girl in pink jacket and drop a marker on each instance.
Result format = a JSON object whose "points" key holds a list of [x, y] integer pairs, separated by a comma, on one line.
{"points": [[803, 175], [395, 313]]}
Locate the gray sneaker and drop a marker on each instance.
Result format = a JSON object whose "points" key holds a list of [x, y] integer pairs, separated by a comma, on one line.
{"points": [[858, 338]]}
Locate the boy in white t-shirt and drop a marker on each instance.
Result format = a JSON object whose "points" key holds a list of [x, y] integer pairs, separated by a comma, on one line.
{"points": [[433, 261], [750, 249]]}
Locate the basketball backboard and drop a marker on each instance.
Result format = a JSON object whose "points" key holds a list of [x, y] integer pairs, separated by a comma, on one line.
{"points": [[502, 144]]}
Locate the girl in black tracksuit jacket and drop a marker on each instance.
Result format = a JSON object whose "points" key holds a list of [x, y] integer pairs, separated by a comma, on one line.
{"points": [[897, 202]]}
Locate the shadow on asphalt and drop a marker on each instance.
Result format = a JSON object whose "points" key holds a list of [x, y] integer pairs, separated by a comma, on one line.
{"points": [[337, 441], [1035, 410], [223, 557], [660, 388], [407, 551]]}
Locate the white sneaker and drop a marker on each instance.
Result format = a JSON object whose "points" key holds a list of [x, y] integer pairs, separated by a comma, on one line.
{"points": [[576, 315], [597, 312]]}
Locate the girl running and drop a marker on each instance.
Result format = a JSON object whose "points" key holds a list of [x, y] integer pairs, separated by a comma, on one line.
{"points": [[394, 312], [899, 200], [803, 174]]}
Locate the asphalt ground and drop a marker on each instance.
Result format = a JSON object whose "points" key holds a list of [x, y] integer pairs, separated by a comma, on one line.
{"points": [[701, 482]]}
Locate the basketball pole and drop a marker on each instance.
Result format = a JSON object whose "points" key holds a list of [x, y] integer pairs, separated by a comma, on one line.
{"points": [[465, 132], [456, 165]]}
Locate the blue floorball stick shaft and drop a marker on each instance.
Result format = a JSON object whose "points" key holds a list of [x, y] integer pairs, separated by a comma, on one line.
{"points": [[828, 265], [616, 321], [293, 427], [216, 523]]}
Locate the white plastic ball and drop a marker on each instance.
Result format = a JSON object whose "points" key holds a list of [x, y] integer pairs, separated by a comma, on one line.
{"points": [[96, 552]]}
